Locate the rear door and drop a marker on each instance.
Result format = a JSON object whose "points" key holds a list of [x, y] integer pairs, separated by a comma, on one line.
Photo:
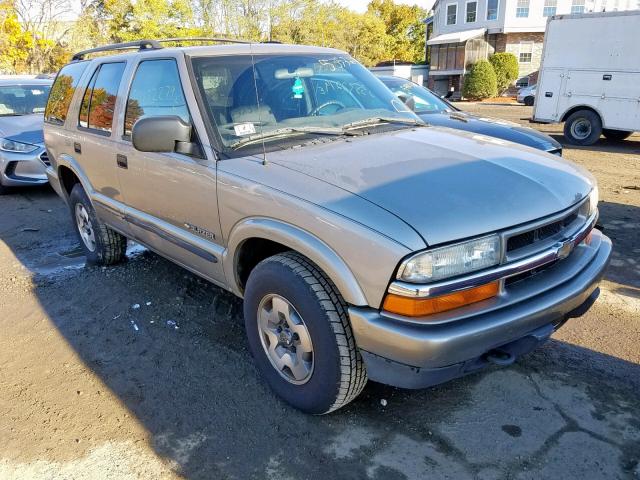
{"points": [[171, 196], [94, 140]]}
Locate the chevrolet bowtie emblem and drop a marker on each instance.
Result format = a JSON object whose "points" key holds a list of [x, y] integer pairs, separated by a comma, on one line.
{"points": [[564, 249]]}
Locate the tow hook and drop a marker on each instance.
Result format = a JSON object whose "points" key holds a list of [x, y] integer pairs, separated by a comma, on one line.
{"points": [[500, 357]]}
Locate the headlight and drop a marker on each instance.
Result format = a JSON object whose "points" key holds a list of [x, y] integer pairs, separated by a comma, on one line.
{"points": [[450, 261], [16, 147]]}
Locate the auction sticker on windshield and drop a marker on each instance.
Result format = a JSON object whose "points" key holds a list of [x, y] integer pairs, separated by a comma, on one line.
{"points": [[243, 129]]}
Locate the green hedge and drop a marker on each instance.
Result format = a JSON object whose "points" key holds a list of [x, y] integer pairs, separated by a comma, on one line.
{"points": [[506, 67], [480, 82]]}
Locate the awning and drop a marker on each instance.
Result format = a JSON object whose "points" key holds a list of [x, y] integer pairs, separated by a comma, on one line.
{"points": [[456, 37]]}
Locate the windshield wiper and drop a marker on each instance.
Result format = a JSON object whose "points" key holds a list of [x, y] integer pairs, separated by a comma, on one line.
{"points": [[288, 131], [375, 120]]}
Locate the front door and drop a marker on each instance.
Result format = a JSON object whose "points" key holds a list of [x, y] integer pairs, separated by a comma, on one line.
{"points": [[171, 196]]}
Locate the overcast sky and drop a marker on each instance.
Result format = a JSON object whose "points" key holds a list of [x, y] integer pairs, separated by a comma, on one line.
{"points": [[361, 5]]}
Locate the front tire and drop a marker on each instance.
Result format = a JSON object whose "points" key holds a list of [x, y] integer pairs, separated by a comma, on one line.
{"points": [[528, 101], [299, 335], [617, 135], [583, 127], [101, 244]]}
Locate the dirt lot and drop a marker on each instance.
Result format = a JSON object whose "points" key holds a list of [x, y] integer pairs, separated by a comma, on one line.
{"points": [[141, 371]]}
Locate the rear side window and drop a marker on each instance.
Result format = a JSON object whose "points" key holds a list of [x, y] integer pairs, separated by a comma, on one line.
{"points": [[62, 92], [99, 100], [155, 91]]}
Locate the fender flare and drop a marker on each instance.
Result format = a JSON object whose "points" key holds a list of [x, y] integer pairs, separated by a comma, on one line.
{"points": [[69, 162], [299, 240]]}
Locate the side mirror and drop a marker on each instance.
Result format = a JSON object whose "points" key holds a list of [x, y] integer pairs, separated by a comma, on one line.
{"points": [[160, 134]]}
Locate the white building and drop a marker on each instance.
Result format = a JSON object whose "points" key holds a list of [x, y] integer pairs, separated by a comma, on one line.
{"points": [[460, 32]]}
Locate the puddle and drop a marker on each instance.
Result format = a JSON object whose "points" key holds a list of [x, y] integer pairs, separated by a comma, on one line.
{"points": [[71, 259]]}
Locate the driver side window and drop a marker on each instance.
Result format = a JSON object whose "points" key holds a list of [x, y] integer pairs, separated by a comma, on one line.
{"points": [[155, 91]]}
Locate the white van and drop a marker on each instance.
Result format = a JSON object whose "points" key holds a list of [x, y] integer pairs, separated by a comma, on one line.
{"points": [[590, 76]]}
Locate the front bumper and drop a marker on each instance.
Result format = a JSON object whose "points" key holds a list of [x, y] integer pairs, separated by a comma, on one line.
{"points": [[23, 169], [414, 354]]}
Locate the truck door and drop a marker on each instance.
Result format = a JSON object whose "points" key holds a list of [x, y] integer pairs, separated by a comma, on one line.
{"points": [[171, 197], [550, 96]]}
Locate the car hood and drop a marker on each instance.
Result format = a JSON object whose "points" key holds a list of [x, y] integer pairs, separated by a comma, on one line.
{"points": [[494, 128], [23, 128], [447, 185]]}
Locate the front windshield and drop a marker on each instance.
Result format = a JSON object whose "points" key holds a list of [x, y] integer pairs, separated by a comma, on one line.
{"points": [[290, 95], [418, 98], [23, 99]]}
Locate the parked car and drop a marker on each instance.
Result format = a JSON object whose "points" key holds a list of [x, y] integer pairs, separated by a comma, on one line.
{"points": [[436, 110], [365, 243], [23, 158], [591, 86], [527, 95]]}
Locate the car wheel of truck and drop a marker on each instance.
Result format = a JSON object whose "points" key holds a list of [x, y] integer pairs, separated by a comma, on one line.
{"points": [[101, 245], [583, 127], [299, 334], [528, 101], [616, 134]]}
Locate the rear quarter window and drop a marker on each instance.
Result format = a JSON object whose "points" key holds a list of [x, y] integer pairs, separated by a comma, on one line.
{"points": [[62, 92]]}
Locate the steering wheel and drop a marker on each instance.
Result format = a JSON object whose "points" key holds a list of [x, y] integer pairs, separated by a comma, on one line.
{"points": [[316, 110]]}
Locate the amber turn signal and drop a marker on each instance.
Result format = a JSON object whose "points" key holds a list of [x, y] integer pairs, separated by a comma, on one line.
{"points": [[419, 307]]}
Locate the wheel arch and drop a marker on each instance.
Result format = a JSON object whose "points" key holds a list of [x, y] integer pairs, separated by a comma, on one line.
{"points": [[70, 173], [576, 108], [272, 236]]}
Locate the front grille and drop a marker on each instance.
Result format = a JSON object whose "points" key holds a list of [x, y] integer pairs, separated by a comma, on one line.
{"points": [[528, 274], [45, 158], [541, 233]]}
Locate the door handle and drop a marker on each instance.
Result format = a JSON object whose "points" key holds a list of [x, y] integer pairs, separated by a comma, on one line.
{"points": [[122, 161], [77, 147]]}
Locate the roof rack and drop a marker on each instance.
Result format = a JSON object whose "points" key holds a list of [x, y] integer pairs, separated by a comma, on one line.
{"points": [[150, 45], [139, 44]]}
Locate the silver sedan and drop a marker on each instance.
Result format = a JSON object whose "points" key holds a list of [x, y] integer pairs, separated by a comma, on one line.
{"points": [[23, 158]]}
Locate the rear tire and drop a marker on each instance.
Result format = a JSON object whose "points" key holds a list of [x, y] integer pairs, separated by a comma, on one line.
{"points": [[101, 244], [293, 312], [618, 135], [528, 101], [583, 127]]}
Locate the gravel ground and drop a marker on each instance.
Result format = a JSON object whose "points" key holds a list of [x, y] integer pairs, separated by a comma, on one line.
{"points": [[141, 371]]}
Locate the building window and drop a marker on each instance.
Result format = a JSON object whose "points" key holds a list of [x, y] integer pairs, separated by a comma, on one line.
{"points": [[472, 8], [522, 9], [577, 6], [550, 7], [452, 13], [526, 52], [492, 9]]}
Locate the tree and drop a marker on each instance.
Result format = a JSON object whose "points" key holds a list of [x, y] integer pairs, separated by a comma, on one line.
{"points": [[480, 82], [505, 66], [15, 43], [404, 27]]}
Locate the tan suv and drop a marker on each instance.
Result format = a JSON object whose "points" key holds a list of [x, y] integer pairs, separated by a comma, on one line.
{"points": [[365, 243]]}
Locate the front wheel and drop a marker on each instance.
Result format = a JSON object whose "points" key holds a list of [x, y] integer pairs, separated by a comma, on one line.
{"points": [[583, 127], [101, 244], [616, 134], [299, 335], [528, 101]]}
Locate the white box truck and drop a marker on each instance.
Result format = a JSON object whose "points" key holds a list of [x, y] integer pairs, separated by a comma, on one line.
{"points": [[590, 76]]}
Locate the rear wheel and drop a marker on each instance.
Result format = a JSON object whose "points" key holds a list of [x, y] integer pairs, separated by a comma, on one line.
{"points": [[528, 101], [101, 244], [299, 335], [616, 134], [583, 127]]}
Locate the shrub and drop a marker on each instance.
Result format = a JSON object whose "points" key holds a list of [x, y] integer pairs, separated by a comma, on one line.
{"points": [[480, 82], [506, 67]]}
